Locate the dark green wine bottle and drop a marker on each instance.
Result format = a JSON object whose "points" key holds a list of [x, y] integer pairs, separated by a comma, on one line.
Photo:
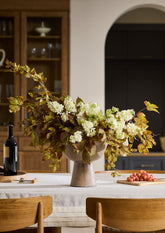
{"points": [[10, 154]]}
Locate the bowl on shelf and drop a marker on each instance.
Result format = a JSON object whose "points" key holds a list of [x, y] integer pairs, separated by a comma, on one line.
{"points": [[43, 30]]}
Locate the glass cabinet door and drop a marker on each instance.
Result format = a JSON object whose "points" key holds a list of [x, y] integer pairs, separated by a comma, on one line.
{"points": [[9, 49], [44, 47]]}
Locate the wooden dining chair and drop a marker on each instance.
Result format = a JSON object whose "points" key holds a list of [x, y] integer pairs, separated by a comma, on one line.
{"points": [[20, 213], [131, 215]]}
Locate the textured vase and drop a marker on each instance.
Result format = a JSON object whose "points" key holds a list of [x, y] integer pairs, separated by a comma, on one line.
{"points": [[83, 173]]}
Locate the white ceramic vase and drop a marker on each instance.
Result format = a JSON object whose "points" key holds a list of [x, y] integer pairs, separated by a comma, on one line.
{"points": [[83, 173]]}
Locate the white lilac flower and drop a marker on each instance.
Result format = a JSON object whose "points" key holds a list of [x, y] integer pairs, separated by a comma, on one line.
{"points": [[89, 129], [93, 110], [95, 113], [64, 116], [109, 112], [90, 112], [120, 125], [55, 107], [70, 105], [132, 129], [111, 122], [83, 108], [76, 137], [80, 115], [114, 123], [126, 115], [87, 125], [120, 134]]}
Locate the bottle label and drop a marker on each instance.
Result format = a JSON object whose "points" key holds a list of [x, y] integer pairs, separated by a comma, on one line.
{"points": [[6, 152]]}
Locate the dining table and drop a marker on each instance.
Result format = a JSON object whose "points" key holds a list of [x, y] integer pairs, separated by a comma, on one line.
{"points": [[69, 203]]}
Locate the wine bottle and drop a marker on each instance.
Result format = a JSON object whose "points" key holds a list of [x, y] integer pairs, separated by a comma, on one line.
{"points": [[10, 154]]}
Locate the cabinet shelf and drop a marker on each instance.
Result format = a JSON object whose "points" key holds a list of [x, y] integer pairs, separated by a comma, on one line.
{"points": [[43, 59], [3, 69], [4, 104], [6, 36], [44, 38]]}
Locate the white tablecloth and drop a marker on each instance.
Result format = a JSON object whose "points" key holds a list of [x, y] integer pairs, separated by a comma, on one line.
{"points": [[69, 202]]}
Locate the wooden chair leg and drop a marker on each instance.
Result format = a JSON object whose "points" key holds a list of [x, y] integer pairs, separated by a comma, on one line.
{"points": [[40, 228], [98, 218]]}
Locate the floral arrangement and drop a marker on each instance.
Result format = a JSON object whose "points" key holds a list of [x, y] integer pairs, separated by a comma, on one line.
{"points": [[54, 122]]}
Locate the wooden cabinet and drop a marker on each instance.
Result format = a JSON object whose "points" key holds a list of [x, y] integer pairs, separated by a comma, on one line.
{"points": [[30, 158], [9, 85], [138, 162], [47, 53]]}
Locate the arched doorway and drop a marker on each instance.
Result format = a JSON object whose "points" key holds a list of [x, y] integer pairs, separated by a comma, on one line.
{"points": [[135, 64]]}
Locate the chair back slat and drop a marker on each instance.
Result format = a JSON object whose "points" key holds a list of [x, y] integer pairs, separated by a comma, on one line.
{"points": [[22, 212], [137, 215]]}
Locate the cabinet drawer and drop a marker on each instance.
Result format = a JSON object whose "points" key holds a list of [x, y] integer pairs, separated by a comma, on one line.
{"points": [[148, 163], [141, 162]]}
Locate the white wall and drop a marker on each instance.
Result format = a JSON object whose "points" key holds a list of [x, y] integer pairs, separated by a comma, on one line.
{"points": [[90, 21], [143, 15]]}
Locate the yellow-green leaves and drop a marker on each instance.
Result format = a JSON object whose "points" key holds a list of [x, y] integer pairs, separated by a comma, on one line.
{"points": [[15, 103], [146, 137], [151, 107]]}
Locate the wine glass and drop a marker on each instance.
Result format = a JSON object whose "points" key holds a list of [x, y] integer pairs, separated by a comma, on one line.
{"points": [[43, 52], [11, 89], [58, 49], [50, 47], [10, 27], [57, 85], [4, 27], [33, 52]]}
